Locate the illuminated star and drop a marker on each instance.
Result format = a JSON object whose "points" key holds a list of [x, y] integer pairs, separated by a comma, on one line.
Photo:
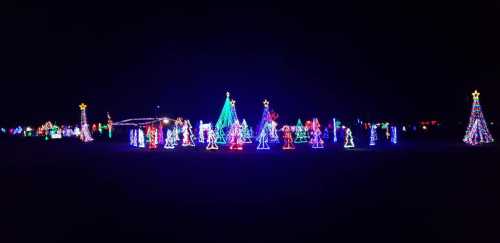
{"points": [[82, 106], [266, 103], [227, 93], [233, 102], [476, 94]]}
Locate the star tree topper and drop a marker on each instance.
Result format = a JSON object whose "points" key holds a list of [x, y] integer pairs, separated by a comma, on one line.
{"points": [[266, 103], [83, 106]]}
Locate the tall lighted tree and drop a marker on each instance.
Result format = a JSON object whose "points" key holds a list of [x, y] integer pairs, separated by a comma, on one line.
{"points": [[477, 131], [85, 132], [266, 117], [226, 119]]}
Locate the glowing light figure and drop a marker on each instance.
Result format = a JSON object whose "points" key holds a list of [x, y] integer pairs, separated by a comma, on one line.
{"points": [[170, 141], [131, 137], [287, 138], [349, 140], [135, 138], [76, 131], [387, 133], [273, 136], [235, 140], [316, 140], [246, 134], [394, 134], [211, 140], [334, 130], [373, 135], [187, 135], [263, 138], [140, 138], [300, 133], [477, 131], [85, 132], [326, 135], [110, 125]]}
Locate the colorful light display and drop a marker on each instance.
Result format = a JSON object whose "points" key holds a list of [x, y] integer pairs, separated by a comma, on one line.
{"points": [[85, 133], [140, 138], [235, 140], [477, 131], [187, 135], [316, 140], [287, 138], [300, 133], [226, 119]]}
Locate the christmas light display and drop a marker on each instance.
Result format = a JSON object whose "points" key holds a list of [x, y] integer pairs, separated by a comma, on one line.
{"points": [[373, 135], [135, 138], [152, 133], [316, 140], [394, 134], [334, 130], [110, 125], [170, 141], [131, 137], [140, 138], [287, 138], [85, 133], [178, 129], [203, 130], [300, 133], [235, 140], [245, 132], [326, 135], [187, 135], [263, 138], [349, 140], [403, 129], [477, 131], [226, 119], [211, 140]]}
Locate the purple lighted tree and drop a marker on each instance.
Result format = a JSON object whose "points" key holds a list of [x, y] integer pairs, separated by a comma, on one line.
{"points": [[477, 131]]}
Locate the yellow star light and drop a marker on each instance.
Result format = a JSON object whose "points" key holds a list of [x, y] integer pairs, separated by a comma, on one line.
{"points": [[83, 106], [476, 94], [266, 103]]}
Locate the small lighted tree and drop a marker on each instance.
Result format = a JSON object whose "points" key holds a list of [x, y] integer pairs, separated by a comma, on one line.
{"points": [[300, 133]]}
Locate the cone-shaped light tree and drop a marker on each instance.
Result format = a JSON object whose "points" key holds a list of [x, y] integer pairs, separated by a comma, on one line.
{"points": [[477, 131]]}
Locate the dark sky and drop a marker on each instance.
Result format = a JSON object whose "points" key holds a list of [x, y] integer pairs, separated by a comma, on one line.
{"points": [[371, 59]]}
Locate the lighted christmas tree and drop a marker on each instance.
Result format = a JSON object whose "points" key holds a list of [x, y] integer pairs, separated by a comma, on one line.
{"points": [[152, 134], [187, 134], [211, 140], [349, 140], [373, 135], [263, 138], [266, 118], [287, 138], [235, 140], [170, 140], [226, 119], [394, 134], [85, 132], [477, 131], [316, 140], [300, 133], [245, 132]]}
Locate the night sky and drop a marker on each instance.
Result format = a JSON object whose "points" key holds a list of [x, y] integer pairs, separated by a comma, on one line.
{"points": [[372, 59]]}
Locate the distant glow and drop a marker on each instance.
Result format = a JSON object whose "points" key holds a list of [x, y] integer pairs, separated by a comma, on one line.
{"points": [[165, 121], [349, 141]]}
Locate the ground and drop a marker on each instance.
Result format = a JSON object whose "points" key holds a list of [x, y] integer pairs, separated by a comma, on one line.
{"points": [[416, 192]]}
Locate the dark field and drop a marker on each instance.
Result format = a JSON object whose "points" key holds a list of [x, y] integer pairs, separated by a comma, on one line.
{"points": [[419, 192]]}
